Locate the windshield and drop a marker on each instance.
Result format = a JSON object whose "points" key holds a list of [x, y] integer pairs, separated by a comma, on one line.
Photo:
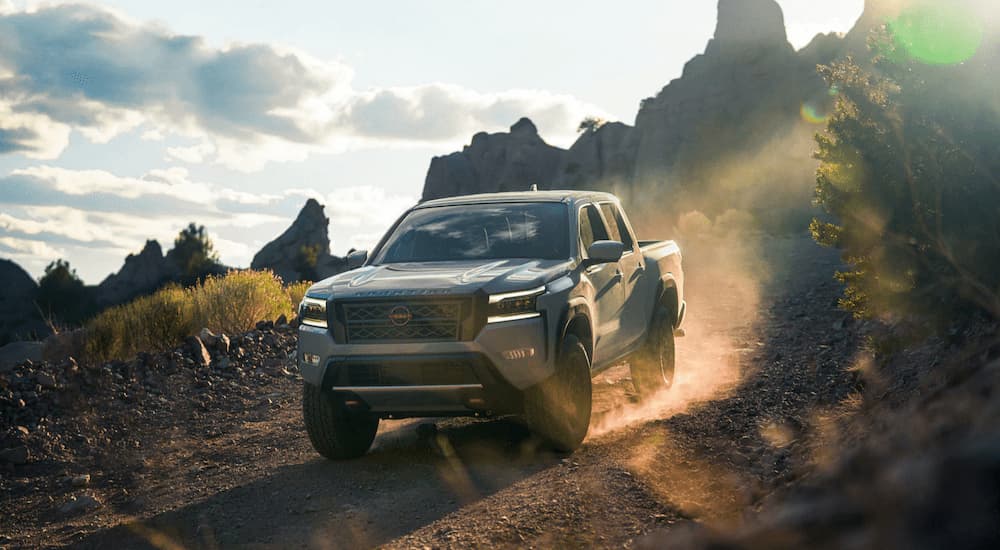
{"points": [[479, 232]]}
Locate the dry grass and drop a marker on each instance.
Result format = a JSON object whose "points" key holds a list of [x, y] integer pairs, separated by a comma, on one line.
{"points": [[296, 291], [231, 304]]}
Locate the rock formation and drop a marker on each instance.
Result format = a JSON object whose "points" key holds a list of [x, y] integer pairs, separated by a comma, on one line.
{"points": [[19, 319], [302, 252], [142, 273], [495, 162], [719, 136]]}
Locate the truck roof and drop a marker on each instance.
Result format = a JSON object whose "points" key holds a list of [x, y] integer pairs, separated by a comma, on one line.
{"points": [[521, 196]]}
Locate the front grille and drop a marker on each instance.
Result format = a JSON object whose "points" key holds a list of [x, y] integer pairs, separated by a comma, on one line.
{"points": [[368, 322]]}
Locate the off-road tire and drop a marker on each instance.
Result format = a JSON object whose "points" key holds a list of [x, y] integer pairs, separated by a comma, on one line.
{"points": [[558, 409], [653, 366], [335, 431]]}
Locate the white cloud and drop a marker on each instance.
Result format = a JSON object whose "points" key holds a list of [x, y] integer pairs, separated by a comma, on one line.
{"points": [[98, 238], [36, 249], [174, 183], [88, 68]]}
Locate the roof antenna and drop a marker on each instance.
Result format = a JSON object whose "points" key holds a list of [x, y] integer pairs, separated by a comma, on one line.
{"points": [[534, 187]]}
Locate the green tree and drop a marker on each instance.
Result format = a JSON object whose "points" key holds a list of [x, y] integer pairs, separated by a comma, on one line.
{"points": [[591, 124], [194, 252], [306, 261], [908, 172], [61, 296]]}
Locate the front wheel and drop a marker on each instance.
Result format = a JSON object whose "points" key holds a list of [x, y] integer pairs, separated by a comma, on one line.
{"points": [[653, 367], [558, 409], [335, 431]]}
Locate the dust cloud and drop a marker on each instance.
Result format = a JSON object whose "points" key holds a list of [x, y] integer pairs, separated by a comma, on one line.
{"points": [[721, 215], [723, 279]]}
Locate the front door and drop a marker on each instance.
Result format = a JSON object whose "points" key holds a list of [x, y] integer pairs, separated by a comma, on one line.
{"points": [[634, 316], [608, 295]]}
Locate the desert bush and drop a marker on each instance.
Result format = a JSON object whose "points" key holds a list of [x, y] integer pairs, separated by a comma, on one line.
{"points": [[149, 323], [908, 170], [236, 301], [231, 304], [296, 291]]}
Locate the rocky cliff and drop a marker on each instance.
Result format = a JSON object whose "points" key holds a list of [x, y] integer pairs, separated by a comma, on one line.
{"points": [[504, 161], [142, 273], [302, 252], [19, 318], [737, 122]]}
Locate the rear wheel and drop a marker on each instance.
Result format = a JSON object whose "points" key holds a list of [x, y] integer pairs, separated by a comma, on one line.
{"points": [[335, 431], [558, 409], [653, 367]]}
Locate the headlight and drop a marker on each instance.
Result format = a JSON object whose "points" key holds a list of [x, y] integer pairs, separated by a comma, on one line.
{"points": [[312, 312], [512, 306]]}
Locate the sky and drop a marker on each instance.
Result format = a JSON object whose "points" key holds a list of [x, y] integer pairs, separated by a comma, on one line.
{"points": [[123, 121]]}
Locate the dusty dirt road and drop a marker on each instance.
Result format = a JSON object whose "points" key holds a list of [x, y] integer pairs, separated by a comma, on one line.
{"points": [[766, 353]]}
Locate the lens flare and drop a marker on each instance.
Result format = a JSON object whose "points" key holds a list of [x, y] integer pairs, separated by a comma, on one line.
{"points": [[811, 114], [945, 33]]}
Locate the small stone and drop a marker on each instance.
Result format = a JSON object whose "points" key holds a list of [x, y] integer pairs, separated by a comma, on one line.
{"points": [[282, 320], [196, 348], [222, 344], [83, 503], [82, 480], [46, 380], [208, 337]]}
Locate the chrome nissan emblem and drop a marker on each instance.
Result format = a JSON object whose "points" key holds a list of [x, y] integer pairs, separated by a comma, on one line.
{"points": [[400, 316]]}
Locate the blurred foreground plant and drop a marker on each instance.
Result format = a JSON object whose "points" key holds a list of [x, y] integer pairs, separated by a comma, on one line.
{"points": [[908, 170]]}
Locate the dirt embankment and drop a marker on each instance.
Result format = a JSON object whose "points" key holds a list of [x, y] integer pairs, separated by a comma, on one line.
{"points": [[207, 457]]}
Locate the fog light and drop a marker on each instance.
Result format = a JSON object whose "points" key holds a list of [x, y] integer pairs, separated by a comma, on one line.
{"points": [[310, 359], [519, 353]]}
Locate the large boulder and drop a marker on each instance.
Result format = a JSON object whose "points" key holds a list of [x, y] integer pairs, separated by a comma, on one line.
{"points": [[504, 161], [19, 318], [302, 252], [142, 274]]}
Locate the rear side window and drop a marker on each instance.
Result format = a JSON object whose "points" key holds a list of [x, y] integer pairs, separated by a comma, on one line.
{"points": [[591, 228], [618, 228]]}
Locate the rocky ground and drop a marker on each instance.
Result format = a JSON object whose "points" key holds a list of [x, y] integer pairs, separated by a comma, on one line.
{"points": [[187, 450]]}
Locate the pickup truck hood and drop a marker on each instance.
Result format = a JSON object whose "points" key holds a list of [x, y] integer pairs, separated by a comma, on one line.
{"points": [[444, 278]]}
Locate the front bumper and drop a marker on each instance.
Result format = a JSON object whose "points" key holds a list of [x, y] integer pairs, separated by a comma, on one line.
{"points": [[487, 374]]}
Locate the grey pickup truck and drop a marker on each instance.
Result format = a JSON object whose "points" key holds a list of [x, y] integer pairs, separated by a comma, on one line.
{"points": [[488, 305]]}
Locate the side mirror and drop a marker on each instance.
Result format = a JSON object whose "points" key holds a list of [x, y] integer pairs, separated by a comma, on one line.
{"points": [[604, 252], [356, 259]]}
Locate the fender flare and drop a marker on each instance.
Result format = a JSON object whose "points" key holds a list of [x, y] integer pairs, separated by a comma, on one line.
{"points": [[576, 308], [669, 284]]}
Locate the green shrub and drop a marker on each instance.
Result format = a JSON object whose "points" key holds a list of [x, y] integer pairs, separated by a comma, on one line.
{"points": [[231, 304], [908, 170], [150, 323], [237, 301]]}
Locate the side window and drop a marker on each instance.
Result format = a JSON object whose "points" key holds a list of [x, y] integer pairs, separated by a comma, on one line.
{"points": [[608, 210], [619, 229], [591, 228]]}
